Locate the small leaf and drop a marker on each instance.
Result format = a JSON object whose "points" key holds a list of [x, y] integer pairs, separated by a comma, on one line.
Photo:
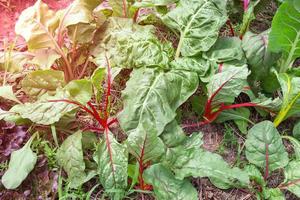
{"points": [[6, 92], [21, 164], [79, 90], [36, 24], [120, 7], [70, 157], [14, 61], [166, 186], [265, 144], [39, 82]]}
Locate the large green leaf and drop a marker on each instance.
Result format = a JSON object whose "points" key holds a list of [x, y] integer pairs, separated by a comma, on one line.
{"points": [[166, 186], [45, 112], [112, 160], [21, 164], [292, 177], [232, 80], [260, 60], [70, 157], [291, 96], [129, 45], [285, 33], [198, 22], [264, 143], [6, 92], [151, 98], [39, 82], [188, 159], [36, 24]]}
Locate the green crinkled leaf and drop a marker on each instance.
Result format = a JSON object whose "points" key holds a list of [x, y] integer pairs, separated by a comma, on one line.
{"points": [[227, 50], [70, 157], [152, 3], [157, 95], [193, 64], [188, 159], [21, 163], [285, 33], [233, 79], [254, 174], [35, 24], [6, 92], [291, 96], [39, 82], [112, 163], [166, 186], [129, 45], [198, 22], [264, 140], [292, 177]]}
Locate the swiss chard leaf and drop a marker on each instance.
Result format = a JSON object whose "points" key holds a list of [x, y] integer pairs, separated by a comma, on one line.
{"points": [[112, 160], [47, 111], [36, 24], [291, 97], [70, 157], [157, 96], [39, 82], [260, 60], [21, 164], [166, 186], [198, 22], [292, 177], [285, 33], [264, 147], [129, 45], [188, 159], [228, 84]]}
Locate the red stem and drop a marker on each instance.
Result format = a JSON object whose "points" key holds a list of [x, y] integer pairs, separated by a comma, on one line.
{"points": [[108, 91], [124, 8], [231, 28]]}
